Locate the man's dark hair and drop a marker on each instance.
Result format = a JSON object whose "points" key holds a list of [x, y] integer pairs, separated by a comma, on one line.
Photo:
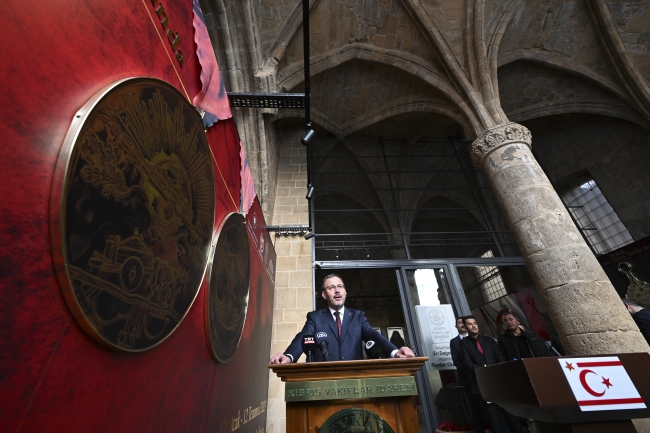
{"points": [[466, 318], [327, 278], [509, 313], [632, 302]]}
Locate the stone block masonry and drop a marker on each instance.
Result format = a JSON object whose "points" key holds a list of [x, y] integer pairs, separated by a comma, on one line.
{"points": [[293, 285]]}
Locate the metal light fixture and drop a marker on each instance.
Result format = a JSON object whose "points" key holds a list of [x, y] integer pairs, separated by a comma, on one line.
{"points": [[310, 134], [309, 236], [310, 192], [307, 139]]}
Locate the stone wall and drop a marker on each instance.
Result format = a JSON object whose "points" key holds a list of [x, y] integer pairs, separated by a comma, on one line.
{"points": [[293, 283]]}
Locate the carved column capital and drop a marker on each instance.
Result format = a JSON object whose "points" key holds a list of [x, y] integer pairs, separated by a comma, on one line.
{"points": [[497, 136]]}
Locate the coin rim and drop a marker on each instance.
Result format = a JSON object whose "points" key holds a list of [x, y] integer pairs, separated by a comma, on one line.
{"points": [[206, 300], [58, 197]]}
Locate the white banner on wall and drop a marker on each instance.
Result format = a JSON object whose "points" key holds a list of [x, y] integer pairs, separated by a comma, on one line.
{"points": [[437, 327]]}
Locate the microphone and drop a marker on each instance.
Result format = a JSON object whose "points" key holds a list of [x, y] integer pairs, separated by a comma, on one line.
{"points": [[505, 307], [324, 346], [308, 346], [373, 350]]}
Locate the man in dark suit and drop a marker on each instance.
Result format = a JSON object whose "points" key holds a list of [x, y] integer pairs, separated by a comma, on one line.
{"points": [[478, 351], [640, 315], [454, 344], [517, 343], [461, 369], [344, 329]]}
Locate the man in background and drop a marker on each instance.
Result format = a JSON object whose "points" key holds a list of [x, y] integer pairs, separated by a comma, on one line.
{"points": [[461, 370], [478, 351], [640, 315], [517, 343], [454, 344]]}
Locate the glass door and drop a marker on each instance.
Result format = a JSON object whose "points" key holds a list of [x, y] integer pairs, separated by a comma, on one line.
{"points": [[493, 290], [433, 300]]}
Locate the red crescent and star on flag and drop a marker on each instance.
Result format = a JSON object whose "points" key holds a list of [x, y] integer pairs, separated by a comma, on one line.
{"points": [[583, 380], [601, 383]]}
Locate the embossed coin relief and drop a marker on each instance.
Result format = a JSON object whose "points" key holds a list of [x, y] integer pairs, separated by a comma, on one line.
{"points": [[355, 420], [227, 298], [137, 213]]}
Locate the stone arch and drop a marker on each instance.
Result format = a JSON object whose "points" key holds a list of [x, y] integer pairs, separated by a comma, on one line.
{"points": [[444, 220], [537, 89], [292, 75], [568, 66]]}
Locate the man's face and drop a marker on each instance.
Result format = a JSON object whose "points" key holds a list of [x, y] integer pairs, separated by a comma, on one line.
{"points": [[510, 322], [472, 327], [334, 293], [460, 326]]}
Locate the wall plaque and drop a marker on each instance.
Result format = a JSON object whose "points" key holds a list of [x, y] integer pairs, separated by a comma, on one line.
{"points": [[132, 213], [227, 296], [397, 386]]}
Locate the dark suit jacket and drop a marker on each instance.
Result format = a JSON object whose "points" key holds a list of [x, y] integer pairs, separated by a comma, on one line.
{"points": [[461, 369], [642, 319], [473, 359], [355, 329]]}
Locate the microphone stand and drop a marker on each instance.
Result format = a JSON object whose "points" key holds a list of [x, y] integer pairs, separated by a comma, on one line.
{"points": [[505, 307]]}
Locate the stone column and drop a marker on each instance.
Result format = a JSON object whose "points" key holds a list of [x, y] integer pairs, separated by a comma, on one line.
{"points": [[584, 307]]}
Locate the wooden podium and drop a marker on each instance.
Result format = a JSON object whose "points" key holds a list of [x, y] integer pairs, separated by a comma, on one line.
{"points": [[537, 388], [316, 392]]}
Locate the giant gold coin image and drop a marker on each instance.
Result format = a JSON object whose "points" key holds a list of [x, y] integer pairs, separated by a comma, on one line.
{"points": [[226, 301], [135, 213]]}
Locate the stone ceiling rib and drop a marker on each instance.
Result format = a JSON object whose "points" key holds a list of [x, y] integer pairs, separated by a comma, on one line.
{"points": [[488, 90], [371, 118], [424, 127], [469, 44], [292, 75], [618, 111], [228, 45], [398, 107], [452, 64], [288, 32], [324, 121], [627, 70], [567, 65], [496, 30]]}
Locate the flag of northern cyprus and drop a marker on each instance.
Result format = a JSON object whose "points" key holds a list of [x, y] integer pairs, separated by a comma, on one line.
{"points": [[601, 384]]}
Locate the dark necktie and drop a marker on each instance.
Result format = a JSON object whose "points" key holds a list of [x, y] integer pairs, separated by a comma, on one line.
{"points": [[478, 346], [338, 322]]}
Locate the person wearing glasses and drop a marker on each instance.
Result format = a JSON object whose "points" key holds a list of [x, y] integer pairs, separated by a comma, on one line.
{"points": [[344, 330]]}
